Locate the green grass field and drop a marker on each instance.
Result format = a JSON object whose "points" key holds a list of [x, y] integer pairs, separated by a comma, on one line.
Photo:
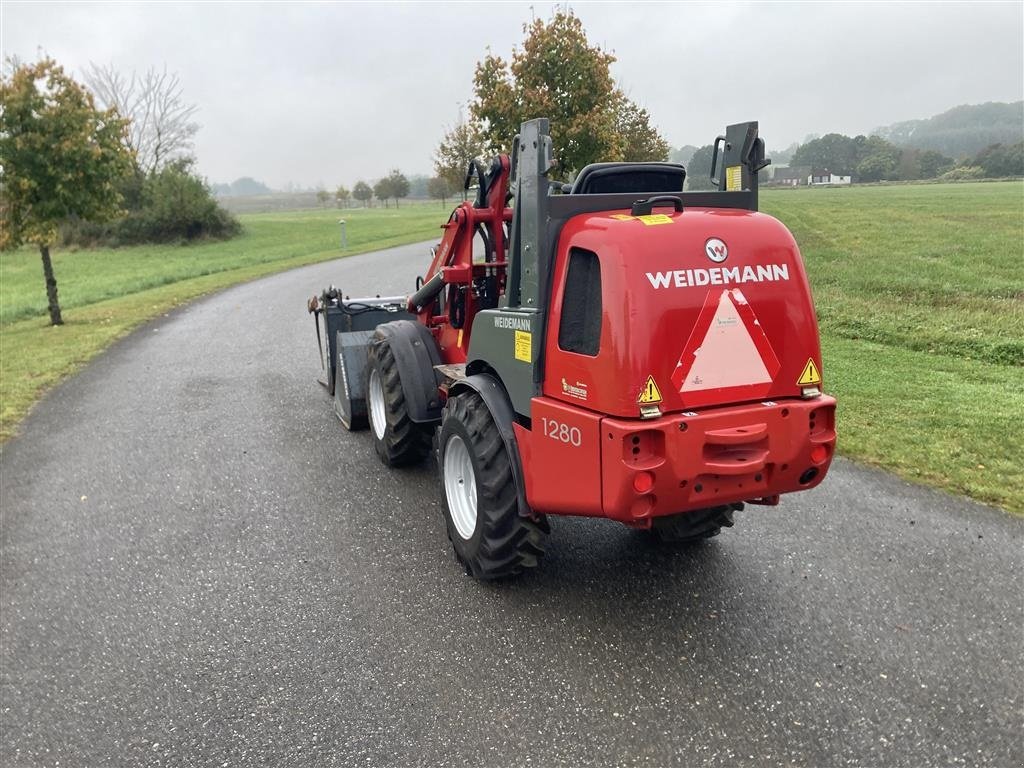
{"points": [[919, 292], [920, 298]]}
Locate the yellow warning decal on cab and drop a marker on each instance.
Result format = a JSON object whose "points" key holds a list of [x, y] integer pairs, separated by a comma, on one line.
{"points": [[649, 219], [655, 218], [734, 178], [650, 394], [810, 375], [524, 346]]}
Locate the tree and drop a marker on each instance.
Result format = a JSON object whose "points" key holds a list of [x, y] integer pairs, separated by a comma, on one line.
{"points": [[438, 189], [60, 156], [698, 172], [176, 204], [1001, 160], [638, 141], [559, 75], [382, 190], [341, 194], [934, 164], [398, 185], [161, 127], [362, 192], [322, 196], [462, 143]]}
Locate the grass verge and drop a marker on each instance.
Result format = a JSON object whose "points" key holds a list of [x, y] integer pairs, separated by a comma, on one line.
{"points": [[105, 293], [920, 298]]}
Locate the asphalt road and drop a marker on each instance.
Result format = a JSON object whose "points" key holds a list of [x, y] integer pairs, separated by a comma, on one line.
{"points": [[200, 567]]}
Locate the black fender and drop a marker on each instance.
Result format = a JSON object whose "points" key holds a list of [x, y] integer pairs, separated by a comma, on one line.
{"points": [[493, 393], [416, 354]]}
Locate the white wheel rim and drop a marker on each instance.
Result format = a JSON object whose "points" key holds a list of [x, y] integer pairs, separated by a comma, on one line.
{"points": [[460, 486], [377, 414]]}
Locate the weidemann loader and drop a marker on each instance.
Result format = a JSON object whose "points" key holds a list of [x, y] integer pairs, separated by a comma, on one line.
{"points": [[612, 348]]}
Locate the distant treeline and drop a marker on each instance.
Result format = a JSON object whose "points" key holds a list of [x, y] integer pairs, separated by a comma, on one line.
{"points": [[961, 132], [967, 142]]}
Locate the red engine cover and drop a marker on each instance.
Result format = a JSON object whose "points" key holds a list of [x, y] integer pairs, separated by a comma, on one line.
{"points": [[701, 308]]}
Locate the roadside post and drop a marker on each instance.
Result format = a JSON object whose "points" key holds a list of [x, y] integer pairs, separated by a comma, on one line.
{"points": [[344, 236]]}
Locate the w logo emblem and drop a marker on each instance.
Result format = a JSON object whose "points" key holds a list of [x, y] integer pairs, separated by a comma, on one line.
{"points": [[716, 250]]}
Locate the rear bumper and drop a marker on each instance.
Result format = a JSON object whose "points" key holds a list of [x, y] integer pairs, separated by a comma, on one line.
{"points": [[719, 456], [632, 470]]}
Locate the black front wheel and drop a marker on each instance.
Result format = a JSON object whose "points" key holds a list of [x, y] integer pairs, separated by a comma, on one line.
{"points": [[397, 439], [491, 539]]}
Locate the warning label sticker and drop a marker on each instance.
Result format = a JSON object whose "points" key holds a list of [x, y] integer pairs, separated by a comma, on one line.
{"points": [[650, 393], [650, 219], [733, 178], [810, 375], [655, 218], [524, 344]]}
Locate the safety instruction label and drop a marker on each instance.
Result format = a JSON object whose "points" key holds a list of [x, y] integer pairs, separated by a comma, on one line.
{"points": [[650, 219], [734, 178], [524, 346], [809, 375], [650, 393]]}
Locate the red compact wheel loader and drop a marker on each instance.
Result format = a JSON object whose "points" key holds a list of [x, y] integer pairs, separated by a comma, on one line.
{"points": [[612, 348]]}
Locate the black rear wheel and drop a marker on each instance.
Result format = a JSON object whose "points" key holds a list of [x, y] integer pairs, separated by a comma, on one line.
{"points": [[690, 527], [491, 539], [397, 439]]}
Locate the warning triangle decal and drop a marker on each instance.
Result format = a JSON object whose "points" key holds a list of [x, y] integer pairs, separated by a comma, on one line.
{"points": [[727, 356], [650, 393], [810, 375]]}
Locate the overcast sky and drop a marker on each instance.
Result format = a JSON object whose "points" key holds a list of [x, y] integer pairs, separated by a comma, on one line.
{"points": [[329, 93]]}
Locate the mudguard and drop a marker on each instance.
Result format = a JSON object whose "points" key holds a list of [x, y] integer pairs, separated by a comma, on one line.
{"points": [[499, 405], [416, 354]]}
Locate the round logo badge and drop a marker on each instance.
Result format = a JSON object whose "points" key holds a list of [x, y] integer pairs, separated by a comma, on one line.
{"points": [[716, 250]]}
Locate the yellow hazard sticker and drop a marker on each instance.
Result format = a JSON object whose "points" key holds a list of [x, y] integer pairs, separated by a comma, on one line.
{"points": [[810, 375], [650, 394], [734, 178], [650, 219], [524, 346]]}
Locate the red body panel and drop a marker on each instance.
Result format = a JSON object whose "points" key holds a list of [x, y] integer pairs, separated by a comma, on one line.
{"points": [[752, 452], [654, 320]]}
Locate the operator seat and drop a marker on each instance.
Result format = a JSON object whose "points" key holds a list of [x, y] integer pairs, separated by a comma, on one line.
{"points": [[641, 178]]}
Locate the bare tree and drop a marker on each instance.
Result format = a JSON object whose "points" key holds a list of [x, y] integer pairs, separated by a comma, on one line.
{"points": [[161, 127]]}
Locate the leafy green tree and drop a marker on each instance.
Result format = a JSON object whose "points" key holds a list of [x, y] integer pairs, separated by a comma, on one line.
{"points": [[362, 192], [462, 143], [176, 205], [398, 185], [322, 196], [876, 167], [341, 194], [438, 189], [1001, 160], [559, 75], [933, 164], [638, 141], [382, 190], [60, 157]]}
